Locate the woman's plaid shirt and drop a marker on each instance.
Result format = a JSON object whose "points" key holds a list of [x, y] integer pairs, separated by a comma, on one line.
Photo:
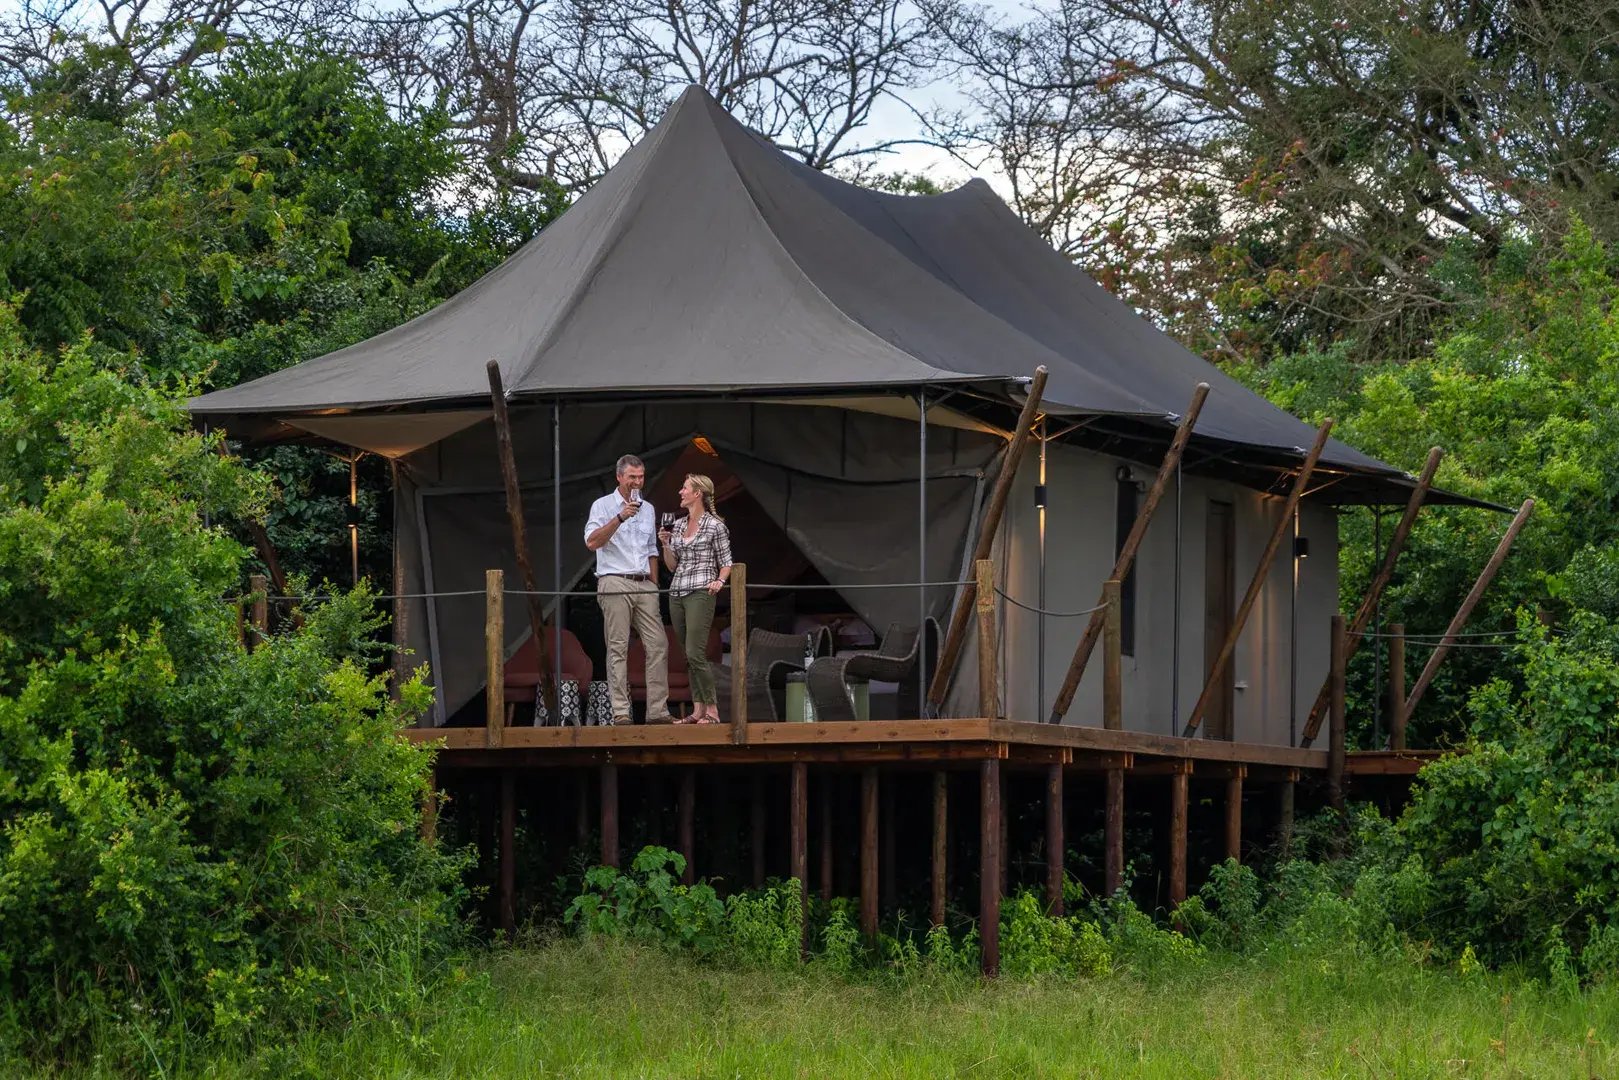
{"points": [[700, 559]]}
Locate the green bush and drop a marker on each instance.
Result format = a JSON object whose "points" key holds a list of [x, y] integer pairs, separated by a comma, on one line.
{"points": [[192, 838], [649, 903]]}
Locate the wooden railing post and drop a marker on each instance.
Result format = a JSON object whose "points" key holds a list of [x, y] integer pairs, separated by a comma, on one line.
{"points": [[259, 586], [956, 634], [494, 649], [1397, 686], [1335, 713], [989, 696], [1112, 657], [739, 653], [1167, 468]]}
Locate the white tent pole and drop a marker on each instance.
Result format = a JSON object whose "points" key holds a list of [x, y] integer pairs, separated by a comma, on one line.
{"points": [[922, 554]]}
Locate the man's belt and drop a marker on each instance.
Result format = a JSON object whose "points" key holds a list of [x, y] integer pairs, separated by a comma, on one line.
{"points": [[631, 577]]}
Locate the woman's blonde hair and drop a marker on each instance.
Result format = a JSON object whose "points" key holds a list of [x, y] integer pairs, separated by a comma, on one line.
{"points": [[706, 486]]}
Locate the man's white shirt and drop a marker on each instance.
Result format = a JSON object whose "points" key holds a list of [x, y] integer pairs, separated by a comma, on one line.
{"points": [[632, 544]]}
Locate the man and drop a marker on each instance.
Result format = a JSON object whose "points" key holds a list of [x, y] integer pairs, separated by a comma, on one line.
{"points": [[622, 530]]}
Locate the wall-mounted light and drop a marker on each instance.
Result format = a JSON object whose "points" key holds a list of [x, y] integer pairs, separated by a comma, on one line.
{"points": [[351, 515], [1301, 547], [1040, 496], [1124, 475], [705, 446]]}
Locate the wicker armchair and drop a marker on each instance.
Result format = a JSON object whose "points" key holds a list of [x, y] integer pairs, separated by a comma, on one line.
{"points": [[771, 657], [894, 661]]}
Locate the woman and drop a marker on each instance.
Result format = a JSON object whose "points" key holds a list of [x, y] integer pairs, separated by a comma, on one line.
{"points": [[698, 551]]}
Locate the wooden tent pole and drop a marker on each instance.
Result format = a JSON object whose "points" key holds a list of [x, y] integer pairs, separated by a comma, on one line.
{"points": [[956, 636], [1284, 524], [1485, 576], [514, 510], [1374, 592], [1127, 553]]}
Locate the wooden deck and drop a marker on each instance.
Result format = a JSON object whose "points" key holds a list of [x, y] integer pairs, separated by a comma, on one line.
{"points": [[924, 742]]}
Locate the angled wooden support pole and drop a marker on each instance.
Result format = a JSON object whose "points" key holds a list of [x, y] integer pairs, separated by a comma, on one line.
{"points": [[739, 653], [1127, 554], [1463, 613], [514, 510], [1284, 525], [956, 636], [494, 656], [1374, 592]]}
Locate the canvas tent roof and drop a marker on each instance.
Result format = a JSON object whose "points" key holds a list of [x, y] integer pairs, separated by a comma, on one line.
{"points": [[708, 261]]}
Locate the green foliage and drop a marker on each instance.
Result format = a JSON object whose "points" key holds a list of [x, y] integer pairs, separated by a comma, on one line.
{"points": [[1521, 833], [1036, 943], [766, 927], [649, 903], [192, 837]]}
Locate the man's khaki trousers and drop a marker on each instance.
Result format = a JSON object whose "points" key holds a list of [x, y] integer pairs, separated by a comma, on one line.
{"points": [[625, 603]]}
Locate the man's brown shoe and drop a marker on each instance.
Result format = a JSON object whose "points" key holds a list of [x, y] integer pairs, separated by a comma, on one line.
{"points": [[622, 721]]}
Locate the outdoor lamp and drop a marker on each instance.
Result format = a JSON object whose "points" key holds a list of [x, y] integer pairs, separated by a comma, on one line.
{"points": [[1301, 547], [1040, 496], [351, 515]]}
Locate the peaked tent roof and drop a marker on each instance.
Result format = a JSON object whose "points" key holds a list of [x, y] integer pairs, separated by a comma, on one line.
{"points": [[708, 260]]}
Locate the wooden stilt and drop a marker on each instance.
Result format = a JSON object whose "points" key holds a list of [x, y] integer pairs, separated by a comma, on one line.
{"points": [[1113, 834], [829, 793], [429, 825], [1284, 823], [989, 870], [609, 814], [655, 805], [582, 811], [508, 853], [1335, 744], [1006, 835], [1054, 839], [686, 822], [1368, 603], [798, 840], [1127, 552], [757, 832], [956, 635], [1474, 595], [1179, 783], [1233, 814], [514, 511], [886, 829], [1256, 585], [1397, 686], [941, 822], [868, 853]]}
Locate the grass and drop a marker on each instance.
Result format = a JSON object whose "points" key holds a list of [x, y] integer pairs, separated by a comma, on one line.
{"points": [[606, 1009]]}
